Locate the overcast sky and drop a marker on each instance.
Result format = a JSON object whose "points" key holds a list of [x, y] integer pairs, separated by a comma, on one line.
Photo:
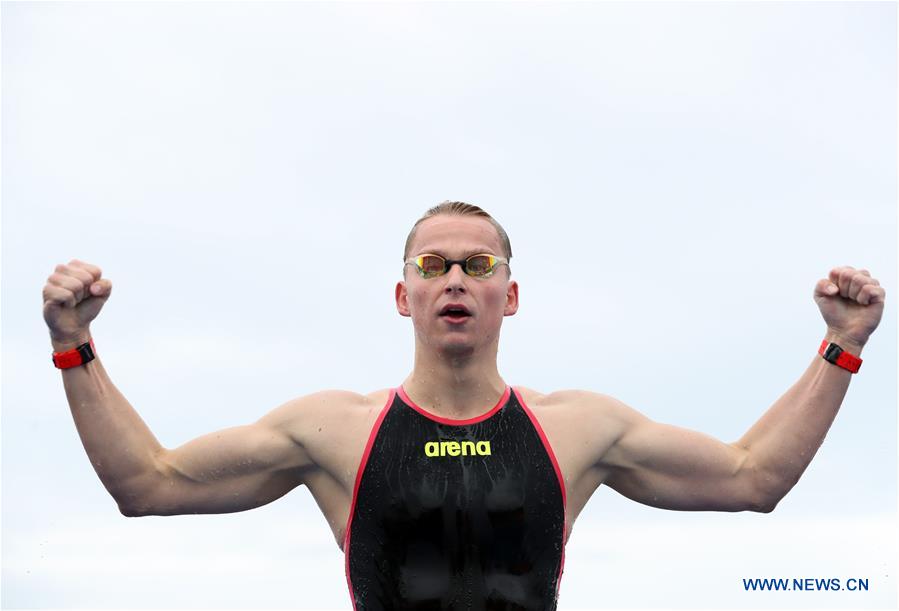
{"points": [[674, 179]]}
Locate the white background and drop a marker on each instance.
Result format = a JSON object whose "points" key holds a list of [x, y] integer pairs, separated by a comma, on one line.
{"points": [[674, 178]]}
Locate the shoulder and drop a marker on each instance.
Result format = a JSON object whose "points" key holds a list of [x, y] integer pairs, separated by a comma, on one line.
{"points": [[568, 399], [337, 400], [348, 409], [592, 409], [583, 426]]}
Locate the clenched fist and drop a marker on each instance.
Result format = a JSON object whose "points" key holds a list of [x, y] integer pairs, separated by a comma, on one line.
{"points": [[73, 296], [851, 302]]}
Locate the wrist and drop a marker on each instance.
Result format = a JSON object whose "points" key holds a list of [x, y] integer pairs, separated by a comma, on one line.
{"points": [[851, 346], [69, 342]]}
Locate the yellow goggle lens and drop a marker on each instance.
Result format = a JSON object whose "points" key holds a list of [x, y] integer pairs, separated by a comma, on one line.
{"points": [[431, 266]]}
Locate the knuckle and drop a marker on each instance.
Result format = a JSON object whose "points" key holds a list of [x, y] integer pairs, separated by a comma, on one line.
{"points": [[93, 270], [74, 285], [83, 275]]}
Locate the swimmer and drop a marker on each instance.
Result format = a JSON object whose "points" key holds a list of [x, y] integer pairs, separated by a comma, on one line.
{"points": [[454, 490]]}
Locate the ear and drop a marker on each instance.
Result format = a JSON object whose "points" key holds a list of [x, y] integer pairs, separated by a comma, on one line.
{"points": [[402, 299], [511, 299]]}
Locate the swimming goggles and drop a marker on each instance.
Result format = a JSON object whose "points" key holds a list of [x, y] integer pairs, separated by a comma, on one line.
{"points": [[477, 266]]}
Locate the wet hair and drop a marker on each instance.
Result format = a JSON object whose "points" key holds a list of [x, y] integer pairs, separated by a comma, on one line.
{"points": [[460, 209]]}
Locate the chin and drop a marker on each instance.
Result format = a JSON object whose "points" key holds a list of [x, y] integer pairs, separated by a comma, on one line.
{"points": [[456, 350]]}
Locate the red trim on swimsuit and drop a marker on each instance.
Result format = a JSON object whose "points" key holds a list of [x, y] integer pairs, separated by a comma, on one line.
{"points": [[441, 420], [362, 463], [555, 463]]}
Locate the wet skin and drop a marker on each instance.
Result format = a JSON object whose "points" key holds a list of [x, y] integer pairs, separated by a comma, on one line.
{"points": [[319, 440], [341, 422]]}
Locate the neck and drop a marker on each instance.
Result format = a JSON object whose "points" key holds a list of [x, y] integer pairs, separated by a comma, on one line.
{"points": [[457, 387]]}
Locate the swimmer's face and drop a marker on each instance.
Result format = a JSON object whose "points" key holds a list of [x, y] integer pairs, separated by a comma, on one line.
{"points": [[487, 299]]}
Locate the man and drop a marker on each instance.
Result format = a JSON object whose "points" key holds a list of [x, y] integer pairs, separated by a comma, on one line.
{"points": [[453, 490]]}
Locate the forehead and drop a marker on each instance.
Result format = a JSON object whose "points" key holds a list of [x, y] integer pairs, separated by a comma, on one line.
{"points": [[455, 236]]}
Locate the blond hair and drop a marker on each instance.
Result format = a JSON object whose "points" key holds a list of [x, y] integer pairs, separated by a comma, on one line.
{"points": [[460, 209]]}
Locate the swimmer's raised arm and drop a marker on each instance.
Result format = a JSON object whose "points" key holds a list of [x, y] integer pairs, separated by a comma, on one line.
{"points": [[231, 470], [674, 468], [234, 469]]}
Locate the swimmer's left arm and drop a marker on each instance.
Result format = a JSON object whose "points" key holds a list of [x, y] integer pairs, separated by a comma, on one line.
{"points": [[667, 466], [674, 468]]}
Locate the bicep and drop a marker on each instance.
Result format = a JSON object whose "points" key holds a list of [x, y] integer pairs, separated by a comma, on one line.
{"points": [[671, 467], [234, 469]]}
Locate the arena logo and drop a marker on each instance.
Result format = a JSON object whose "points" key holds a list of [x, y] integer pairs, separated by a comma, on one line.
{"points": [[455, 448]]}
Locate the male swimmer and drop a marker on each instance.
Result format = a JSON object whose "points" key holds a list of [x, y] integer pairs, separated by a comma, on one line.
{"points": [[454, 490]]}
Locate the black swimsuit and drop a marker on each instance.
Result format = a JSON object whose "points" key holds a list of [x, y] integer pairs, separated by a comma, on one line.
{"points": [[456, 514]]}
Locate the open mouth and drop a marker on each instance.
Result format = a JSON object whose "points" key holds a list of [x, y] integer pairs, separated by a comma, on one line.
{"points": [[455, 313]]}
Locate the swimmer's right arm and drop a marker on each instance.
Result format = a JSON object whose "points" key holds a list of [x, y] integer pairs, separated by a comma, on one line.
{"points": [[231, 470]]}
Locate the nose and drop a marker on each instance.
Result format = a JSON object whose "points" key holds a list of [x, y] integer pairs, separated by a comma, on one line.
{"points": [[455, 279]]}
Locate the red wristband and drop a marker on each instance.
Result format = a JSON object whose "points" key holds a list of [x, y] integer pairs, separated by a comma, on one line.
{"points": [[74, 357], [832, 353]]}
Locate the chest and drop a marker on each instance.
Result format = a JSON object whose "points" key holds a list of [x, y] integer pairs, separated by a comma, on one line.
{"points": [[423, 465], [443, 510], [496, 468]]}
